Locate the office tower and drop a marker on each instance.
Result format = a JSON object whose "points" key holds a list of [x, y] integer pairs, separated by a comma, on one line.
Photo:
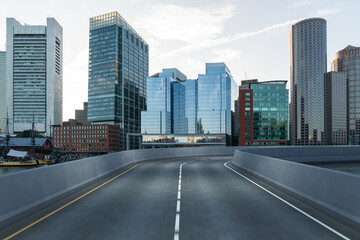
{"points": [[174, 118], [217, 91], [34, 76], [307, 68], [263, 114], [157, 118], [118, 68], [3, 111], [348, 61], [335, 108], [191, 106]]}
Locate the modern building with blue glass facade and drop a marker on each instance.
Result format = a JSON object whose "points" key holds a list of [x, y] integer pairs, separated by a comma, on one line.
{"points": [[197, 112], [308, 65], [3, 111], [118, 68], [264, 114]]}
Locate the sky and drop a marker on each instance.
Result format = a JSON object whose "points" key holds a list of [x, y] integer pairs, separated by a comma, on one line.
{"points": [[251, 36]]}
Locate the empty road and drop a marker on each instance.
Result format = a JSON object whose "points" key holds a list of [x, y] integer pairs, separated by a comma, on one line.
{"points": [[189, 198]]}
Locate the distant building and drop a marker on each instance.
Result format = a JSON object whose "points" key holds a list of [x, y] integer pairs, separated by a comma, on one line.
{"points": [[246, 83], [34, 76], [87, 139], [81, 115], [71, 122], [184, 112], [348, 61], [118, 68], [308, 49], [3, 112], [335, 108], [263, 114]]}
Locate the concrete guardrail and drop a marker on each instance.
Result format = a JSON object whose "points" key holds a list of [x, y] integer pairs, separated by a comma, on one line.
{"points": [[333, 192]]}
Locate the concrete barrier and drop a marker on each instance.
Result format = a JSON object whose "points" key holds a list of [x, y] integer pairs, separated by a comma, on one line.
{"points": [[25, 192], [333, 192], [310, 153]]}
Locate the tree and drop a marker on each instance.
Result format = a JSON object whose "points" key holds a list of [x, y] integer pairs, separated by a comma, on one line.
{"points": [[28, 134]]}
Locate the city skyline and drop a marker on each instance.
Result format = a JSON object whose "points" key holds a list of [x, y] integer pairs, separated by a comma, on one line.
{"points": [[232, 38]]}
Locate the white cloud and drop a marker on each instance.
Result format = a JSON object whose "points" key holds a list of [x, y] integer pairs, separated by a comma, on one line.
{"points": [[226, 54], [327, 12], [215, 42], [172, 22], [302, 3]]}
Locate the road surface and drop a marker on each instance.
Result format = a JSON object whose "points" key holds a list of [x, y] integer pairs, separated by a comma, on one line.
{"points": [[189, 198]]}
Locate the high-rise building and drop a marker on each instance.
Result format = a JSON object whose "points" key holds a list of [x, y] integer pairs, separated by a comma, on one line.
{"points": [[3, 112], [158, 117], [335, 108], [174, 116], [118, 68], [348, 61], [263, 114], [34, 75], [308, 48], [217, 91]]}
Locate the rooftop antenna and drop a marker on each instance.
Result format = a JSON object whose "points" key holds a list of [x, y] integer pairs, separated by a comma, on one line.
{"points": [[245, 76]]}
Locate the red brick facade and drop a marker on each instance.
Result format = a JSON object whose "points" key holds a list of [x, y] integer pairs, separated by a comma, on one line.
{"points": [[245, 116], [87, 138]]}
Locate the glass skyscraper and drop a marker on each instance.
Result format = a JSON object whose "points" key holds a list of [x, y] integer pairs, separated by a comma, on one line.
{"points": [[3, 111], [217, 91], [34, 75], [157, 118], [118, 68], [174, 116], [308, 47], [348, 61]]}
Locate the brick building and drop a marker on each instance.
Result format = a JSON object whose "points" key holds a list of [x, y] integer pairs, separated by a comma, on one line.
{"points": [[263, 113], [87, 139]]}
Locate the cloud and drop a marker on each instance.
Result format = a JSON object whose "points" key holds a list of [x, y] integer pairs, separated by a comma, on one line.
{"points": [[226, 54], [215, 42], [327, 11], [301, 4], [172, 22]]}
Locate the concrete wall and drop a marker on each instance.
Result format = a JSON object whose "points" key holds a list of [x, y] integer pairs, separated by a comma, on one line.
{"points": [[26, 191], [310, 153], [336, 193]]}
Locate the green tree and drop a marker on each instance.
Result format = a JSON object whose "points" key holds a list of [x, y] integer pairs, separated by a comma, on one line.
{"points": [[28, 134]]}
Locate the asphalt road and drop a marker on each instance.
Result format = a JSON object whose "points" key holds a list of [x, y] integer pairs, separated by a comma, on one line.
{"points": [[145, 203]]}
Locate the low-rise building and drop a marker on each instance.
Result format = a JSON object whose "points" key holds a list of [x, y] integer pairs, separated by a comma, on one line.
{"points": [[39, 147], [87, 139]]}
